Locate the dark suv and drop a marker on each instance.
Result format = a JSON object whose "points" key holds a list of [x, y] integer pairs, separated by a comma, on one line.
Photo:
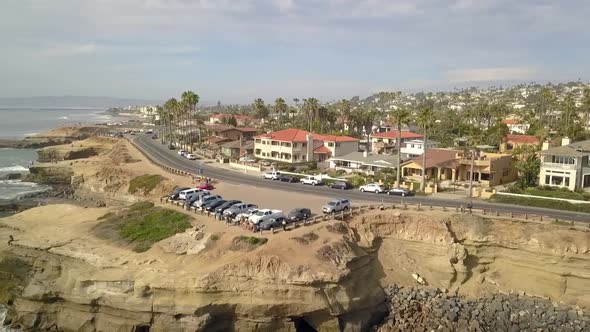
{"points": [[341, 185]]}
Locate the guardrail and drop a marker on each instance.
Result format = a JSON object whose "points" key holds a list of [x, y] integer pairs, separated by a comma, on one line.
{"points": [[357, 210], [165, 167]]}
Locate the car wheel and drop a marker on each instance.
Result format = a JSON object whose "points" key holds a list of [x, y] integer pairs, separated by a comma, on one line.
{"points": [[362, 190], [346, 208], [313, 183]]}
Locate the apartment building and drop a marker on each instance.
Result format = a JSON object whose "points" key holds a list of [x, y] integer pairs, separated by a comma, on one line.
{"points": [[386, 142], [297, 146], [566, 165], [414, 148]]}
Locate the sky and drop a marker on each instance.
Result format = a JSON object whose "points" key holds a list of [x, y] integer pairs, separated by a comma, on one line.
{"points": [[238, 50]]}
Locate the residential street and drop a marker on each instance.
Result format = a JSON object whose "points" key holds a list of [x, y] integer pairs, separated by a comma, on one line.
{"points": [[168, 157]]}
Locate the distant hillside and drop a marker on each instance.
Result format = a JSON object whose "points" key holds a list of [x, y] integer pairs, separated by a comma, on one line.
{"points": [[74, 102]]}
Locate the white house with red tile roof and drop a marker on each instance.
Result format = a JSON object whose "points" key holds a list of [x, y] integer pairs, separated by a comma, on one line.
{"points": [[516, 126], [386, 142], [296, 146]]}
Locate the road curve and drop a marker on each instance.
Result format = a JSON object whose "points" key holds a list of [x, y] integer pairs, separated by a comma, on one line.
{"points": [[162, 154]]}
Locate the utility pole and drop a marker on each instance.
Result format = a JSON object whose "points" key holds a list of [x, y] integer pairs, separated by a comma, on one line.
{"points": [[470, 191]]}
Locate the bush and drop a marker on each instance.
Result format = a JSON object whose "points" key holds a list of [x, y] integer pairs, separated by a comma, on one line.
{"points": [[540, 202], [144, 183], [357, 180], [254, 241], [142, 225]]}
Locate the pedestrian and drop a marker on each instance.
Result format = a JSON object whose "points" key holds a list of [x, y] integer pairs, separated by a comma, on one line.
{"points": [[470, 206], [10, 240]]}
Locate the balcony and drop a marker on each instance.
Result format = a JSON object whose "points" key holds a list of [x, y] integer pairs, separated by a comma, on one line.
{"points": [[545, 164]]}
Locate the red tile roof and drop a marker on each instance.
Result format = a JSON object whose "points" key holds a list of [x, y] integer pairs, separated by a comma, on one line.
{"points": [[522, 139], [510, 121], [217, 139], [322, 150], [393, 134], [436, 157], [298, 135], [242, 129]]}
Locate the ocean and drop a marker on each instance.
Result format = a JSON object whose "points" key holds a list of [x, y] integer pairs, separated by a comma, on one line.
{"points": [[16, 161], [18, 122]]}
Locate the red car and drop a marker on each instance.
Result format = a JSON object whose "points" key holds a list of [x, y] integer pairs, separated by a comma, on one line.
{"points": [[206, 186]]}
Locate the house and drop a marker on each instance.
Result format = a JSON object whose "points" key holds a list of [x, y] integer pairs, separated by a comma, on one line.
{"points": [[516, 126], [414, 148], [490, 169], [386, 142], [566, 165], [242, 120], [237, 133], [364, 162], [215, 142], [237, 149], [512, 142], [296, 146]]}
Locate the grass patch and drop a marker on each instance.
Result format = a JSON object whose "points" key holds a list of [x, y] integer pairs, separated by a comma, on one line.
{"points": [[558, 194], [142, 225], [247, 243], [540, 202], [254, 241], [144, 183], [214, 237]]}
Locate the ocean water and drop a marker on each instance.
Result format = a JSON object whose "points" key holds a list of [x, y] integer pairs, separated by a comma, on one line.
{"points": [[17, 161], [21, 122]]}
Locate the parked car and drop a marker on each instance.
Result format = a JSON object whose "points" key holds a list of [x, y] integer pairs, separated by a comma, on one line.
{"points": [[376, 188], [204, 200], [273, 175], [247, 159], [237, 209], [149, 132], [189, 191], [195, 197], [299, 214], [336, 205], [287, 178], [264, 214], [191, 156], [171, 147], [227, 205], [246, 214], [174, 195], [182, 152], [206, 186], [271, 223], [154, 136], [341, 185], [213, 205], [310, 180], [400, 192]]}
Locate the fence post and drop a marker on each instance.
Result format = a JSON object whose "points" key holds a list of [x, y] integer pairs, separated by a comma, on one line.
{"points": [[342, 215]]}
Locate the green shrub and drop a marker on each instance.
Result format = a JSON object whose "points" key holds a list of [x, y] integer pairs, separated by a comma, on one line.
{"points": [[214, 237], [254, 241], [540, 202], [357, 180], [142, 225], [144, 183]]}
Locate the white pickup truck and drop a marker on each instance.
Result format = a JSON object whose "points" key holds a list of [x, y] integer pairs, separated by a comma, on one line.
{"points": [[264, 214]]}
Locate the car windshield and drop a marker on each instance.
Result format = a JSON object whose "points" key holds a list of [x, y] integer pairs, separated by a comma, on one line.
{"points": [[294, 211], [260, 213]]}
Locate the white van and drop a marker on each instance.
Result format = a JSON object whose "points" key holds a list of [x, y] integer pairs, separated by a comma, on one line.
{"points": [[182, 195]]}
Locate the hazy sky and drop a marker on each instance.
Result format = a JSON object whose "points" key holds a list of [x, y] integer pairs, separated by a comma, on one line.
{"points": [[236, 50]]}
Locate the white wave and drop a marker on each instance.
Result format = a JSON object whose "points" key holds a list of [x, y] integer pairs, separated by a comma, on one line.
{"points": [[19, 183], [31, 134], [63, 118], [17, 168]]}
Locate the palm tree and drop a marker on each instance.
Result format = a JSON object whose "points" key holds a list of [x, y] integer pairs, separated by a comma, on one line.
{"points": [[345, 109], [260, 109], [171, 107], [280, 109], [425, 120], [586, 106], [401, 117], [162, 122], [189, 102], [311, 107]]}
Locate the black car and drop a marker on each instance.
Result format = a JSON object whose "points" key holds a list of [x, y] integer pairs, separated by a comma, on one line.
{"points": [[271, 223], [171, 147], [341, 185], [213, 205], [400, 192], [227, 205], [176, 192], [299, 214], [154, 136], [287, 178]]}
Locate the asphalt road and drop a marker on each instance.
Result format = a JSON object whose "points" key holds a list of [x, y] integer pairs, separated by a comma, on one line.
{"points": [[171, 158]]}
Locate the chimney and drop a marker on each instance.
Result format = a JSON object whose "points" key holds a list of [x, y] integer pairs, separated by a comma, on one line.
{"points": [[365, 154], [545, 146], [565, 141]]}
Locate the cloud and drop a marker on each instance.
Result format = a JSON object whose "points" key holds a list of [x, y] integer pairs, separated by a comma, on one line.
{"points": [[491, 74], [69, 50]]}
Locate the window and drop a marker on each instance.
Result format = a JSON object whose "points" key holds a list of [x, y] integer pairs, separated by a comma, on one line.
{"points": [[274, 143], [303, 157], [288, 145], [294, 145], [563, 160], [556, 180], [264, 154], [303, 145], [258, 140], [257, 151], [295, 157], [331, 144], [547, 179]]}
